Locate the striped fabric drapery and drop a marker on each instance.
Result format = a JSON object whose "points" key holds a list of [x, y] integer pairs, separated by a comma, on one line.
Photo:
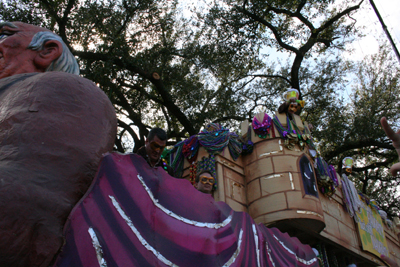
{"points": [[134, 215]]}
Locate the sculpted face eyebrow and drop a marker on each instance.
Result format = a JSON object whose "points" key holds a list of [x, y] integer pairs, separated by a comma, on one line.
{"points": [[7, 29], [7, 24]]}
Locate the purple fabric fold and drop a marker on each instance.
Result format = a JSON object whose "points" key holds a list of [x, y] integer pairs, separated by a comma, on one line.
{"points": [[134, 215]]}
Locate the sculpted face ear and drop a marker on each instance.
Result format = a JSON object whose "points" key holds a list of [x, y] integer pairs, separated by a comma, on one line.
{"points": [[51, 51]]}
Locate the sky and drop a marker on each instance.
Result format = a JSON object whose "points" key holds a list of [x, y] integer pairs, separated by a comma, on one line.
{"points": [[390, 13]]}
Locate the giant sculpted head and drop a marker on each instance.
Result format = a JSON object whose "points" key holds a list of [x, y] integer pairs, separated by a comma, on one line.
{"points": [[25, 48], [54, 128]]}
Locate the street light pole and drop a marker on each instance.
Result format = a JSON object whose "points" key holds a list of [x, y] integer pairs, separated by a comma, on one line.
{"points": [[386, 30]]}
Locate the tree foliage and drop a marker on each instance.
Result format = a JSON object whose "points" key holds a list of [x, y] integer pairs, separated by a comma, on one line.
{"points": [[148, 60], [160, 68], [299, 27], [352, 128]]}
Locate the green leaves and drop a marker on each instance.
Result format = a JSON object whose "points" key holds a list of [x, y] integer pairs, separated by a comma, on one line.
{"points": [[353, 128]]}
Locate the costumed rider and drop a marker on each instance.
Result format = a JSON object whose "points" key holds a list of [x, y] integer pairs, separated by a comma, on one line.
{"points": [[292, 104], [206, 176], [347, 166], [152, 150], [290, 131], [352, 201]]}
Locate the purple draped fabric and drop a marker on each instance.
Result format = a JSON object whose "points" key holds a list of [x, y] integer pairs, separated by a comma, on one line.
{"points": [[134, 215]]}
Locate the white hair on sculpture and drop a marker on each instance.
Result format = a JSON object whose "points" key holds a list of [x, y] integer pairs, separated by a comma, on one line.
{"points": [[66, 62]]}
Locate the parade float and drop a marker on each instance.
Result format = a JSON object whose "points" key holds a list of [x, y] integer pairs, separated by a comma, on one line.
{"points": [[273, 172], [67, 200]]}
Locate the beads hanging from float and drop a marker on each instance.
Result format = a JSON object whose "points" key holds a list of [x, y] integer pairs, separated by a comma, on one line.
{"points": [[214, 138], [326, 177], [262, 129]]}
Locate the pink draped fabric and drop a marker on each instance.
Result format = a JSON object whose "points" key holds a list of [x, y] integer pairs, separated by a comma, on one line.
{"points": [[134, 215]]}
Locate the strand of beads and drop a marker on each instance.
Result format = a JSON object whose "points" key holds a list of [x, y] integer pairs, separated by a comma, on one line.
{"points": [[177, 159], [324, 255], [193, 172], [247, 144], [217, 138], [303, 137], [191, 148], [325, 183], [309, 138], [214, 142], [283, 132], [262, 129], [320, 255], [287, 134], [322, 167], [235, 145], [214, 138], [333, 175], [164, 162]]}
